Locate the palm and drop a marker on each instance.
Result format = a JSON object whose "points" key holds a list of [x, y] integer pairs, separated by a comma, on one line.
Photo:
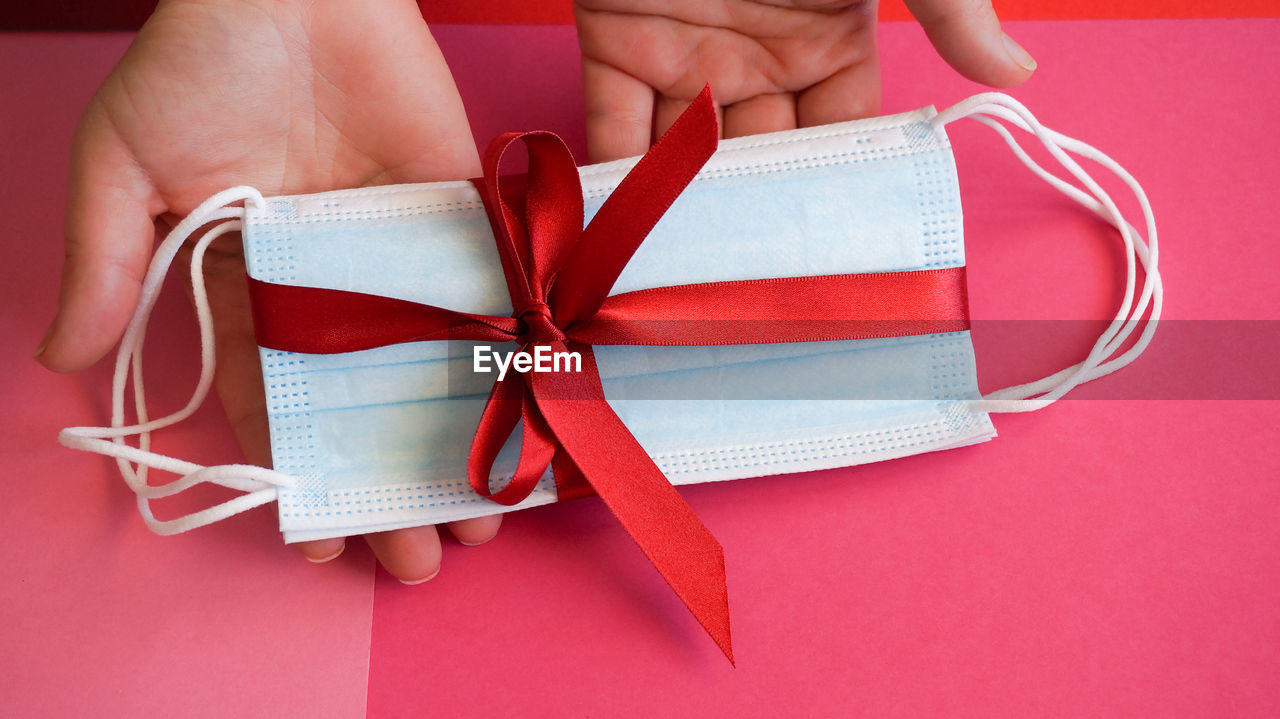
{"points": [[344, 96], [768, 64], [774, 64]]}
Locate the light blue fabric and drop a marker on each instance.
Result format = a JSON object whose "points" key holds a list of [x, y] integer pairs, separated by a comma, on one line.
{"points": [[380, 437]]}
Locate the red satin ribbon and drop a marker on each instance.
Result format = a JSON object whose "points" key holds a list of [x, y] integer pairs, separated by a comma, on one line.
{"points": [[559, 277]]}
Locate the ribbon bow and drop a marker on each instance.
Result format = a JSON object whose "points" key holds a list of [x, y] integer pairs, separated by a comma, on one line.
{"points": [[559, 276]]}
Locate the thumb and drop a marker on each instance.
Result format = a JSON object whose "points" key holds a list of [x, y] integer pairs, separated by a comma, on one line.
{"points": [[967, 34], [109, 232]]}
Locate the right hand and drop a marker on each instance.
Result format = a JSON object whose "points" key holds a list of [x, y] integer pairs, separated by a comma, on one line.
{"points": [[773, 64]]}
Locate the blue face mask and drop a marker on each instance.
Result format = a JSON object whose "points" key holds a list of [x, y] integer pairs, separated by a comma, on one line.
{"points": [[378, 439]]}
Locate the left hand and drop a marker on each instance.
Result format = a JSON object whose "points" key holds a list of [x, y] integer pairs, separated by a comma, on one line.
{"points": [[290, 96]]}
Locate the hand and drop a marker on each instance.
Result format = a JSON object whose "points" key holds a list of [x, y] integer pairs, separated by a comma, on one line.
{"points": [[289, 97], [774, 65]]}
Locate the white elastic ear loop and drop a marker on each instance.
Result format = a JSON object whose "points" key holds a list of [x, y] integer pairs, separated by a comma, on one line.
{"points": [[1042, 392], [1152, 291], [1133, 241], [260, 484]]}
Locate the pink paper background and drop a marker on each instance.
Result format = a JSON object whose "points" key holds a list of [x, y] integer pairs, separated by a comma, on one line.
{"points": [[1101, 557], [1114, 558]]}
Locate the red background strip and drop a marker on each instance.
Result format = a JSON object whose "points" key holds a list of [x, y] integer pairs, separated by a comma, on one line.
{"points": [[560, 12], [129, 14]]}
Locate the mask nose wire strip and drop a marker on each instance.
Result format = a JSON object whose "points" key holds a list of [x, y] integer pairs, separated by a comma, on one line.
{"points": [[260, 485], [984, 108]]}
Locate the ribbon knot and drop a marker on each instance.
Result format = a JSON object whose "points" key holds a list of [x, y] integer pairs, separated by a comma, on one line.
{"points": [[537, 326]]}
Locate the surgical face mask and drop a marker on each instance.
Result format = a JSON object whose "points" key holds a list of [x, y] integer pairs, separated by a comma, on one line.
{"points": [[378, 439]]}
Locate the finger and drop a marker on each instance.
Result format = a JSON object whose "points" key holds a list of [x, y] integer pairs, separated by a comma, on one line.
{"points": [[760, 114], [665, 113], [850, 94], [411, 555], [967, 34], [109, 232], [476, 531], [322, 550], [668, 109], [619, 112]]}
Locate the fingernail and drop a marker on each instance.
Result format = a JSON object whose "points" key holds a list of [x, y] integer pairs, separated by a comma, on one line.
{"points": [[474, 544], [330, 558], [48, 334], [1019, 55], [427, 578]]}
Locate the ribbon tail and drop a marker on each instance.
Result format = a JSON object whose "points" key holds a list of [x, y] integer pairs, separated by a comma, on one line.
{"points": [[680, 547], [570, 482]]}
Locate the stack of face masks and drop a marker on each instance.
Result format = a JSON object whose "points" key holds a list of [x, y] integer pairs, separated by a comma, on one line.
{"points": [[378, 439]]}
